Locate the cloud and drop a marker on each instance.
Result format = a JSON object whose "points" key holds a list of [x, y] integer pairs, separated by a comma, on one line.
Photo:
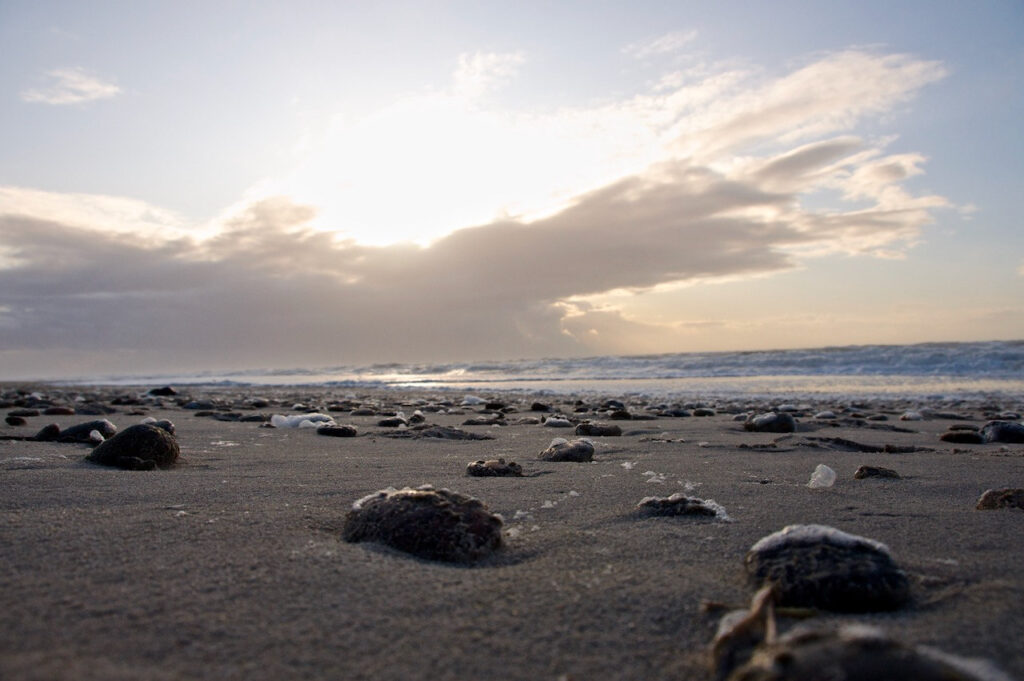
{"points": [[481, 72], [271, 284], [665, 44], [73, 85]]}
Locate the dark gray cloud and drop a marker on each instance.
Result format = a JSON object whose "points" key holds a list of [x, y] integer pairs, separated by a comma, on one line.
{"points": [[269, 290]]}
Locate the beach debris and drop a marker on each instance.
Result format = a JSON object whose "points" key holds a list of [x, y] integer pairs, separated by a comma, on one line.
{"points": [[963, 437], [680, 504], [822, 567], [1008, 497], [598, 429], [81, 432], [557, 422], [1003, 431], [314, 420], [748, 647], [138, 447], [771, 422], [436, 524], [494, 468], [875, 472], [823, 476], [561, 449], [337, 431]]}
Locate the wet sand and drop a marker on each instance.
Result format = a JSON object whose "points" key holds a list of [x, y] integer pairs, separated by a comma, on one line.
{"points": [[231, 565]]}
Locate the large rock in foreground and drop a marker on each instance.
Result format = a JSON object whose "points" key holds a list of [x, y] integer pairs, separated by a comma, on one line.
{"points": [[821, 567], [139, 447], [426, 522]]}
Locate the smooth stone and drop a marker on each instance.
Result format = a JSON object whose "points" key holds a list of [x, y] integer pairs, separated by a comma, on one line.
{"points": [[821, 567], [557, 422], [16, 421], [166, 391], [59, 411], [426, 522], [24, 413], [337, 431], [562, 450], [80, 432], [679, 504], [391, 422], [540, 406], [771, 422], [50, 431], [135, 444], [364, 411], [494, 468], [1003, 431], [875, 472], [94, 409], [912, 416], [620, 415], [704, 411], [1001, 498], [963, 437], [498, 420], [598, 429]]}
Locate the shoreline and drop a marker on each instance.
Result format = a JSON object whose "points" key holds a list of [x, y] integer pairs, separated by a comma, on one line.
{"points": [[231, 564]]}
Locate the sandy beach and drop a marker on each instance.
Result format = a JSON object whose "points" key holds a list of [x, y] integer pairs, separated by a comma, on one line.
{"points": [[231, 564]]}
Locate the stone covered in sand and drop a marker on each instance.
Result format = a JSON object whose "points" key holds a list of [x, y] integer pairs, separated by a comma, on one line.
{"points": [[563, 450], [771, 422], [494, 468], [139, 447], [679, 504], [822, 567], [426, 522], [994, 499]]}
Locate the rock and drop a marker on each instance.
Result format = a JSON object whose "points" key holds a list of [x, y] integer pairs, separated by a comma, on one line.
{"points": [[80, 432], [912, 416], [166, 391], [429, 523], [494, 468], [199, 405], [703, 411], [162, 423], [620, 415], [562, 450], [49, 432], [557, 422], [875, 472], [747, 648], [364, 411], [1003, 431], [680, 504], [825, 415], [497, 420], [139, 447], [963, 437], [822, 567], [23, 413], [59, 411], [16, 421], [94, 409], [337, 431], [540, 406], [771, 422], [1001, 498], [598, 429]]}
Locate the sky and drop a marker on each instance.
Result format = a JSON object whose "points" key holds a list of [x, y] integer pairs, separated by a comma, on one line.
{"points": [[189, 186]]}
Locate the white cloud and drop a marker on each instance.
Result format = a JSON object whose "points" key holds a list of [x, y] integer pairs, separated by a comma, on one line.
{"points": [[481, 72], [668, 43], [72, 85]]}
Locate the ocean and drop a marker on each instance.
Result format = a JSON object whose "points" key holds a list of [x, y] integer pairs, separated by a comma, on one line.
{"points": [[937, 371]]}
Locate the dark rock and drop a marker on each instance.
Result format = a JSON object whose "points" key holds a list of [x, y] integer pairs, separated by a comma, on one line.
{"points": [[875, 472], [562, 450], [80, 432], [676, 413], [494, 406], [610, 405], [429, 523], [417, 418], [59, 411], [166, 391], [1001, 498], [494, 468], [162, 423], [94, 409], [199, 405], [963, 437], [451, 433], [679, 504], [139, 447], [703, 411], [364, 411], [620, 415], [392, 422], [1003, 431], [227, 416], [771, 422], [16, 421], [49, 432], [255, 418], [599, 429], [540, 406], [496, 420], [821, 567], [24, 413], [337, 431]]}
